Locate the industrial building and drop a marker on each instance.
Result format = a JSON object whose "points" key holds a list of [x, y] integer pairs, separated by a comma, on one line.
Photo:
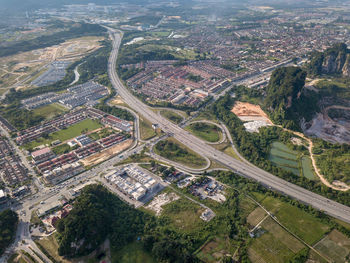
{"points": [[133, 181]]}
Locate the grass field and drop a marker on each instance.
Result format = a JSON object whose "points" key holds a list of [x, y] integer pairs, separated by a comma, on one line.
{"points": [[205, 131], [146, 130], [304, 225], [66, 134], [175, 151], [172, 116], [132, 253], [307, 168], [50, 111]]}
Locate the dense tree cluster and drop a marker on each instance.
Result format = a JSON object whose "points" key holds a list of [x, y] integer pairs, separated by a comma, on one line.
{"points": [[8, 225], [98, 214], [20, 117], [332, 160], [118, 112]]}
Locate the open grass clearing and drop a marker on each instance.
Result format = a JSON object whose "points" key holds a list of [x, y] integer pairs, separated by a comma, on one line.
{"points": [[173, 150], [172, 116], [75, 130], [206, 131], [132, 253], [304, 225], [184, 215], [50, 111]]}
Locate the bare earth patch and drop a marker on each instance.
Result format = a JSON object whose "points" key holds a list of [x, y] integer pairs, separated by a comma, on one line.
{"points": [[161, 200], [249, 112], [106, 154]]}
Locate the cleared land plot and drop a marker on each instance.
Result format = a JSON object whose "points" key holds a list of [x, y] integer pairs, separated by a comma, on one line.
{"points": [[50, 111], [132, 253], [249, 112], [206, 131], [107, 153], [23, 67], [184, 215], [161, 200], [299, 222], [66, 134], [173, 150], [172, 116], [335, 246]]}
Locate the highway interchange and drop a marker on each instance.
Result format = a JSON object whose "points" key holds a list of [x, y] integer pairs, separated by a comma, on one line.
{"points": [[26, 206], [330, 207]]}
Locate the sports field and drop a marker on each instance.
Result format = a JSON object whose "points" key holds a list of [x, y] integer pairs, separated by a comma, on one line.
{"points": [[66, 134]]}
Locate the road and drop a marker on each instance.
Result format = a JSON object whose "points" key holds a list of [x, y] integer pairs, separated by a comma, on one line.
{"points": [[330, 207]]}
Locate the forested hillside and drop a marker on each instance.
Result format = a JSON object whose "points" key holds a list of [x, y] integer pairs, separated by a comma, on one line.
{"points": [[286, 99]]}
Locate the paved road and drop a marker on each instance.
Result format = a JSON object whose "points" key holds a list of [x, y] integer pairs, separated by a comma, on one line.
{"points": [[328, 206]]}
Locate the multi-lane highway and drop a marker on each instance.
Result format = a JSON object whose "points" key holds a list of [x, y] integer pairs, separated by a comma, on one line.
{"points": [[319, 202]]}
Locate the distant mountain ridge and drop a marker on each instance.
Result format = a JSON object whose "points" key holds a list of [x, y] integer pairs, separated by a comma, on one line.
{"points": [[333, 61]]}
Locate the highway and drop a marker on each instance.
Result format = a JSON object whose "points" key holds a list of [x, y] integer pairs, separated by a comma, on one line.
{"points": [[266, 179]]}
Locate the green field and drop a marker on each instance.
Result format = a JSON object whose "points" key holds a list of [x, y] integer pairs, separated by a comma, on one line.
{"points": [[307, 168], [50, 111], [335, 246], [302, 224], [66, 134], [205, 131], [172, 116], [269, 249], [132, 253], [175, 151]]}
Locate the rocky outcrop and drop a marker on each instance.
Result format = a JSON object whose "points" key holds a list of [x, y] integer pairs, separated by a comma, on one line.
{"points": [[346, 67], [333, 61]]}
